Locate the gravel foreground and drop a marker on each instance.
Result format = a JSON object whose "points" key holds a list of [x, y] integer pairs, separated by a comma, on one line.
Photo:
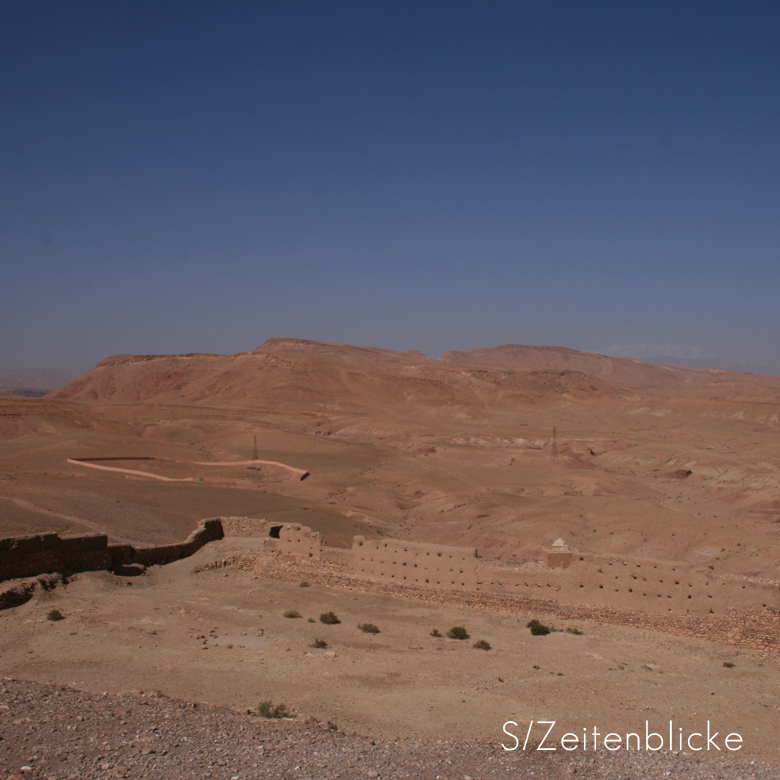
{"points": [[49, 731]]}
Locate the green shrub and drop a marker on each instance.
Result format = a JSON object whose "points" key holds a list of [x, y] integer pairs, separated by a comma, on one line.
{"points": [[292, 613], [55, 615], [329, 618], [458, 632], [319, 644], [537, 628], [304, 585], [574, 631], [481, 644], [728, 664], [435, 632], [368, 628], [267, 709]]}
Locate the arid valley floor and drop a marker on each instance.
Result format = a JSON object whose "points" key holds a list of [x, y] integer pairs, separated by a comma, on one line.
{"points": [[502, 449]]}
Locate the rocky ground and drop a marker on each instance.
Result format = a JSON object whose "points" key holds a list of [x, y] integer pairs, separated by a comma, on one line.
{"points": [[56, 732]]}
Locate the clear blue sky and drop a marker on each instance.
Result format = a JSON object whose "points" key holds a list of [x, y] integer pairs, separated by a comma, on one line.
{"points": [[193, 176]]}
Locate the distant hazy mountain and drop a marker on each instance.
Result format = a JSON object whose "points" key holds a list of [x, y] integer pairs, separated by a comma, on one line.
{"points": [[35, 382]]}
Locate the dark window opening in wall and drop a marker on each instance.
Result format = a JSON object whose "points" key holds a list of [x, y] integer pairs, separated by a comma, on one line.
{"points": [[689, 596], [426, 579], [311, 555], [581, 558], [677, 582], [630, 590], [582, 586], [601, 586], [273, 533]]}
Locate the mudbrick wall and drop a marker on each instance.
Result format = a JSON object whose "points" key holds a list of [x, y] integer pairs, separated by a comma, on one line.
{"points": [[636, 584], [30, 556], [591, 581], [429, 565]]}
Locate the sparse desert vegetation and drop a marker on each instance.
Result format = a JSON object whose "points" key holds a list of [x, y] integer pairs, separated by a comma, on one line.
{"points": [[267, 709], [458, 632]]}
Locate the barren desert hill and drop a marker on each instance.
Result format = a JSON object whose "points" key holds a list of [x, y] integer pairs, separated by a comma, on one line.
{"points": [[623, 371], [293, 373], [345, 352]]}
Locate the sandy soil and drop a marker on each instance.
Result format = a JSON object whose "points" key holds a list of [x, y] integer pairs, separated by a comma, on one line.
{"points": [[220, 636], [649, 461]]}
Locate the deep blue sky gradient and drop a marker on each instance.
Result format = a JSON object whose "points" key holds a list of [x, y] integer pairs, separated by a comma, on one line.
{"points": [[191, 176]]}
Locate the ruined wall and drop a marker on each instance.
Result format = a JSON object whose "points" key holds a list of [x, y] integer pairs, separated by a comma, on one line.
{"points": [[430, 565], [658, 587], [253, 527], [30, 556]]}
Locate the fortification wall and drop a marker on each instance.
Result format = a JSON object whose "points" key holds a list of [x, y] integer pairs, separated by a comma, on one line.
{"points": [[660, 587], [297, 539], [429, 565], [530, 579], [31, 556]]}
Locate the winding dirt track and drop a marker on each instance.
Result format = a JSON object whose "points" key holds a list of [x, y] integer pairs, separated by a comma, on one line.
{"points": [[300, 473]]}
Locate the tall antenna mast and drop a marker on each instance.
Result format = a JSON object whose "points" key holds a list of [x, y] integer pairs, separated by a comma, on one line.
{"points": [[254, 450]]}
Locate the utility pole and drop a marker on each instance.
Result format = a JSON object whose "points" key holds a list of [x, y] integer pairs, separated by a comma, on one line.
{"points": [[254, 450]]}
